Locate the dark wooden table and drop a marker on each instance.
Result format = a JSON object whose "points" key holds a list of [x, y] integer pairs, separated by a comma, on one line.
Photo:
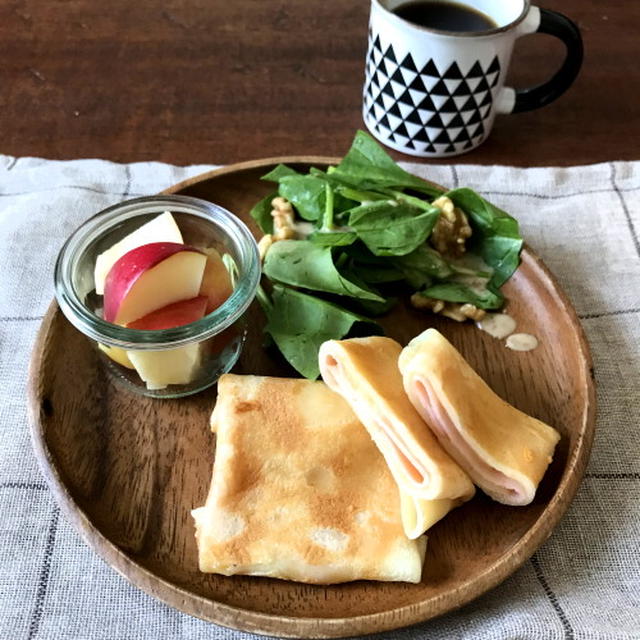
{"points": [[198, 81]]}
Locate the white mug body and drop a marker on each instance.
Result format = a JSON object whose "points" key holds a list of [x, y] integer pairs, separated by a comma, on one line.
{"points": [[433, 93]]}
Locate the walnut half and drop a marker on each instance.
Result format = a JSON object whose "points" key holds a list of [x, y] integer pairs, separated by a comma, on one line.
{"points": [[283, 225], [451, 229], [419, 301], [453, 310], [263, 245], [282, 214]]}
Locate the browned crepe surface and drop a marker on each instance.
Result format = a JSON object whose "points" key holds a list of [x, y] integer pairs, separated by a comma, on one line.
{"points": [[299, 491]]}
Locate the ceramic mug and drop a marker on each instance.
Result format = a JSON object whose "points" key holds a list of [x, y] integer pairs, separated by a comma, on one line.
{"points": [[433, 93]]}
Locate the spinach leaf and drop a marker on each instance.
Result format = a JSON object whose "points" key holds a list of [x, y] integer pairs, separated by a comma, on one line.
{"points": [[345, 189], [333, 238], [389, 228], [361, 196], [301, 263], [495, 234], [372, 308], [421, 265], [369, 267], [359, 252], [299, 323], [280, 171], [261, 213], [367, 166], [373, 274], [340, 202], [483, 298], [334, 179], [326, 223], [306, 193]]}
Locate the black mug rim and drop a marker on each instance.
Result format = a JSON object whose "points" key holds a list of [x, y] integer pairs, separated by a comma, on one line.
{"points": [[526, 6]]}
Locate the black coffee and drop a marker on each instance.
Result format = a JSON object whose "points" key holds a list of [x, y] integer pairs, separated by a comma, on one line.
{"points": [[445, 16]]}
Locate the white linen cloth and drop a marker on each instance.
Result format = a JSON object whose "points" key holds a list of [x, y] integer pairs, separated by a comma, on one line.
{"points": [[583, 583]]}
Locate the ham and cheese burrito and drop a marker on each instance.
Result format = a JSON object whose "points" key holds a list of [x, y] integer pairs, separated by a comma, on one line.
{"points": [[365, 372], [299, 491], [505, 451]]}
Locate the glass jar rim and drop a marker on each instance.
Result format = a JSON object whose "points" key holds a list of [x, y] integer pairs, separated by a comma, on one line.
{"points": [[86, 321]]}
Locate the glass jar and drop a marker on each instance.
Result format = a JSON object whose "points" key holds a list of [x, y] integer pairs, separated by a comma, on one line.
{"points": [[194, 355]]}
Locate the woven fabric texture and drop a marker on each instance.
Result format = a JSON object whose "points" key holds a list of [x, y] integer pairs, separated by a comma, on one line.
{"points": [[583, 583]]}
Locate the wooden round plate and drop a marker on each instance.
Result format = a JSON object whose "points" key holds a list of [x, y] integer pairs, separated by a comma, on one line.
{"points": [[127, 470]]}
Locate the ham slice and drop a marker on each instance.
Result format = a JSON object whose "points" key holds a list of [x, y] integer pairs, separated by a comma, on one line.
{"points": [[504, 451], [364, 371]]}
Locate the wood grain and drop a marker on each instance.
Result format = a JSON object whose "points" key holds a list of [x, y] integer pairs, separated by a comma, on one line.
{"points": [[194, 81], [126, 470]]}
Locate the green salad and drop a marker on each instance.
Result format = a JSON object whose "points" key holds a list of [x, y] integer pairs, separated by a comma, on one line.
{"points": [[344, 245]]}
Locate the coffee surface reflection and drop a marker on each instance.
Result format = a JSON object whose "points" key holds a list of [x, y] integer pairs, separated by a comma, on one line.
{"points": [[444, 16]]}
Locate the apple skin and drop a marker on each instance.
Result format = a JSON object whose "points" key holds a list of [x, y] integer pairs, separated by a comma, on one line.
{"points": [[216, 281], [162, 228], [173, 315], [135, 269]]}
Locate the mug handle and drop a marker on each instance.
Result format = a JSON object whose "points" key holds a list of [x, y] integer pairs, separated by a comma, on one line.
{"points": [[558, 25]]}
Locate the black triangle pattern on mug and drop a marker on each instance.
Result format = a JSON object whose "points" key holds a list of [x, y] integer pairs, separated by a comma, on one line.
{"points": [[427, 109]]}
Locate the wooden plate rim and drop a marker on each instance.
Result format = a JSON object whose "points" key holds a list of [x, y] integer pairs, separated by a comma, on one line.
{"points": [[286, 626]]}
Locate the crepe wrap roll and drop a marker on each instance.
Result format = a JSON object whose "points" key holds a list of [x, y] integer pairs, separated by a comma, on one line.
{"points": [[418, 516], [505, 451], [299, 491], [365, 372]]}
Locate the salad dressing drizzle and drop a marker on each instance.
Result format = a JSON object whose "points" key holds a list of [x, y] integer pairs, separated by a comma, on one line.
{"points": [[502, 325], [498, 325], [521, 342]]}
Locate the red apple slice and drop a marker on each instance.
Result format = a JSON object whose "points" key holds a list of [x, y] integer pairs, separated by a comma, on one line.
{"points": [[216, 281], [151, 277], [173, 315], [162, 228]]}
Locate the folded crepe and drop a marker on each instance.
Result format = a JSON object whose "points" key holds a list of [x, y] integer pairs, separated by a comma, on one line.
{"points": [[505, 451], [364, 371], [418, 516], [299, 491]]}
